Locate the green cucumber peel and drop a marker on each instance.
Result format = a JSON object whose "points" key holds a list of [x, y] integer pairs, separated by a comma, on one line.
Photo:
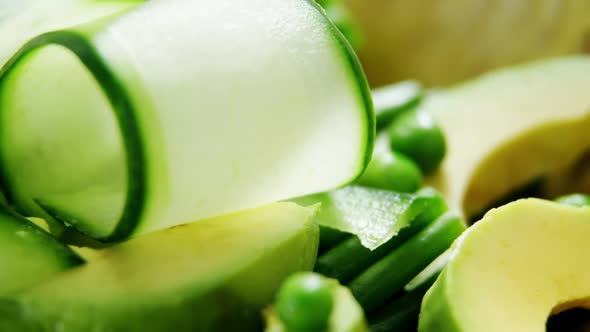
{"points": [[177, 143]]}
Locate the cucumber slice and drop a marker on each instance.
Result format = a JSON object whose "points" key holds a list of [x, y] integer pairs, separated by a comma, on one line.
{"points": [[29, 255], [21, 20], [214, 275], [170, 125]]}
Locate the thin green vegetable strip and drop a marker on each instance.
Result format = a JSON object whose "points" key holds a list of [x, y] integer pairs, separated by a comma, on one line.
{"points": [[392, 273], [374, 215], [330, 237], [349, 258], [401, 314], [170, 114]]}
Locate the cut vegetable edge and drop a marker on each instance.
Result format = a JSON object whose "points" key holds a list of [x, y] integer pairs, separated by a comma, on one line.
{"points": [[445, 306], [123, 110], [30, 255], [364, 89], [134, 144]]}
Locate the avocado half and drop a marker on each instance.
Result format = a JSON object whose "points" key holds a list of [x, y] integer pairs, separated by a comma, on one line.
{"points": [[510, 271], [512, 127], [212, 275]]}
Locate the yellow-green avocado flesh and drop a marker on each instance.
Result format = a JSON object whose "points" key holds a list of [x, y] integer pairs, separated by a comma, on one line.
{"points": [[512, 270], [213, 275], [512, 127]]}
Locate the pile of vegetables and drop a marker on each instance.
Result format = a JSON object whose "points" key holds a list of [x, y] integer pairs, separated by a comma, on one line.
{"points": [[182, 165]]}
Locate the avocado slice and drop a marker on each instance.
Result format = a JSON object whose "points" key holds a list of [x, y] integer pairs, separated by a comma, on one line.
{"points": [[212, 275], [347, 314], [509, 271], [508, 128]]}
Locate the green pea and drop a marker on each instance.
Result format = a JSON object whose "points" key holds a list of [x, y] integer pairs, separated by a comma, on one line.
{"points": [[392, 171], [574, 200], [417, 135], [393, 100], [304, 302]]}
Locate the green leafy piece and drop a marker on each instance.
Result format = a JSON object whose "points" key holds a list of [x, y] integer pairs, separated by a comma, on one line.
{"points": [[350, 258], [374, 215]]}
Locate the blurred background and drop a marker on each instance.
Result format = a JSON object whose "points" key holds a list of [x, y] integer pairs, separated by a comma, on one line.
{"points": [[440, 42]]}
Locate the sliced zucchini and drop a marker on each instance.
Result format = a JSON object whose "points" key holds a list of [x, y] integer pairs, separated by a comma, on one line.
{"points": [[21, 20], [170, 126], [401, 314], [28, 254]]}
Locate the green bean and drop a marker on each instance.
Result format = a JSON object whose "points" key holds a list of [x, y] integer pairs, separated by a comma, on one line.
{"points": [[389, 275]]}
